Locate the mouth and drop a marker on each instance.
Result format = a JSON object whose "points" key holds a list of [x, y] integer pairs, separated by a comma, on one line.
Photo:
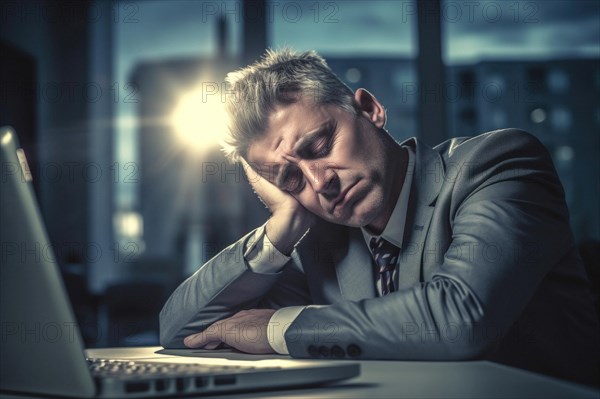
{"points": [[341, 199]]}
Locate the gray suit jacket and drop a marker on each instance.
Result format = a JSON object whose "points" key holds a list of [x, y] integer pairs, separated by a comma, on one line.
{"points": [[488, 269]]}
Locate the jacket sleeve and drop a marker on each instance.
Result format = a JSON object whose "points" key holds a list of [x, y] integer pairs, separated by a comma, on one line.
{"points": [[507, 227], [223, 286]]}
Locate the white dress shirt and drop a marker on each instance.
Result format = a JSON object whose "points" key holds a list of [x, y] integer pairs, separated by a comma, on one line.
{"points": [[262, 257]]}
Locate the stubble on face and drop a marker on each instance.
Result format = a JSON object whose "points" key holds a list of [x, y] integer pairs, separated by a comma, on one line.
{"points": [[362, 158]]}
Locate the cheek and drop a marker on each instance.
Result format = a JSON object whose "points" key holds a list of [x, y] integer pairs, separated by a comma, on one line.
{"points": [[356, 154]]}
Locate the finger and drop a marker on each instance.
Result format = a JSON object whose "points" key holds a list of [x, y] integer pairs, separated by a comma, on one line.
{"points": [[254, 178], [212, 345], [211, 334], [257, 180], [201, 340], [251, 173]]}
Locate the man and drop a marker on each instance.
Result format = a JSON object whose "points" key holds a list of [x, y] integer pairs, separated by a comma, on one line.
{"points": [[380, 250]]}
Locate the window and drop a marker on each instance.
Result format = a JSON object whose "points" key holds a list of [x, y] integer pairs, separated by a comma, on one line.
{"points": [[368, 44], [558, 81], [546, 55], [536, 80], [561, 119]]}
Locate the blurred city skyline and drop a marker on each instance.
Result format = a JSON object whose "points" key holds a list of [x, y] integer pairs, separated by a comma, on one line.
{"points": [[472, 31]]}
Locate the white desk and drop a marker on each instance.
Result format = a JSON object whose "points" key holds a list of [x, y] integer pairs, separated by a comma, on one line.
{"points": [[400, 379]]}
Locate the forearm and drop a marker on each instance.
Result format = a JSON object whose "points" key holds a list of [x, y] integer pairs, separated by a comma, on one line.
{"points": [[438, 320], [220, 288]]}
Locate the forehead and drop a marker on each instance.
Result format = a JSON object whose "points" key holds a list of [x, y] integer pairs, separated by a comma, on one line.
{"points": [[285, 126]]}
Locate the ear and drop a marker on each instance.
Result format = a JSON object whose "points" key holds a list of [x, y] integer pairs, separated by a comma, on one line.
{"points": [[370, 107]]}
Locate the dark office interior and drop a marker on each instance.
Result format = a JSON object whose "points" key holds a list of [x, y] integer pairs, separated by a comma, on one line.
{"points": [[116, 104]]}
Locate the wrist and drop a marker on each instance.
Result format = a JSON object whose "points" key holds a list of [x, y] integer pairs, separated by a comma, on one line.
{"points": [[285, 228]]}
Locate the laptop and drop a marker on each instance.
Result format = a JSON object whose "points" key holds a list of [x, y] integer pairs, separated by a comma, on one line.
{"points": [[41, 349]]}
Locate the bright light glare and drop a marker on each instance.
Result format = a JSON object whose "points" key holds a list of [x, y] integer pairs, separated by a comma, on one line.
{"points": [[128, 224], [6, 138], [200, 120]]}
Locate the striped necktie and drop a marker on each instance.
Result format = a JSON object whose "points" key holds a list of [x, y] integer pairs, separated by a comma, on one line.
{"points": [[385, 255]]}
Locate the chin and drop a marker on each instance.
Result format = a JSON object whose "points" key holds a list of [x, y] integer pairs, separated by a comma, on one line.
{"points": [[351, 220], [364, 212], [364, 219]]}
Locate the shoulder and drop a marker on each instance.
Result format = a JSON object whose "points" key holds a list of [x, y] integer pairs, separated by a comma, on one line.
{"points": [[471, 163], [497, 143]]}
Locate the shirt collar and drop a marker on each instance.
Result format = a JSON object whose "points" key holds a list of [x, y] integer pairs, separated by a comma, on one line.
{"points": [[394, 229]]}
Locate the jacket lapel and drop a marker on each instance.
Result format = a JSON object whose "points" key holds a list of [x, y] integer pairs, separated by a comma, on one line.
{"points": [[355, 269], [338, 264], [427, 181]]}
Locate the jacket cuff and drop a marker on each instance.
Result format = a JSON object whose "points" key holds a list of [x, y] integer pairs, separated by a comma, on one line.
{"points": [[261, 255]]}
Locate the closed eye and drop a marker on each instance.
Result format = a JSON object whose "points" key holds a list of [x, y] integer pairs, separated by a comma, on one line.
{"points": [[319, 146], [292, 180], [299, 188]]}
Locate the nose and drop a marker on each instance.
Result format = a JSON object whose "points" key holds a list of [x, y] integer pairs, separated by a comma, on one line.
{"points": [[323, 180]]}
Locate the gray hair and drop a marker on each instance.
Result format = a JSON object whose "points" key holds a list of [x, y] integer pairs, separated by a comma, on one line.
{"points": [[280, 77]]}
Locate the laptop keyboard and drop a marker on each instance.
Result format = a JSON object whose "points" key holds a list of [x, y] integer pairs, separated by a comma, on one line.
{"points": [[122, 368]]}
